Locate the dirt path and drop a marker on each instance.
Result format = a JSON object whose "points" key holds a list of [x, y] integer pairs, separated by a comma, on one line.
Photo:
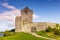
{"points": [[34, 34]]}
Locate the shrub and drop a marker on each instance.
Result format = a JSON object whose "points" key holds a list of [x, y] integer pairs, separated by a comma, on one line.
{"points": [[41, 33], [56, 31], [13, 30], [57, 26], [49, 29], [8, 33]]}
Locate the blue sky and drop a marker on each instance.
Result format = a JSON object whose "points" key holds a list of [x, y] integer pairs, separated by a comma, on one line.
{"points": [[44, 11]]}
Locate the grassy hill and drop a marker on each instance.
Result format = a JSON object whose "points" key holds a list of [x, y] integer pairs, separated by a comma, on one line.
{"points": [[21, 36], [48, 35]]}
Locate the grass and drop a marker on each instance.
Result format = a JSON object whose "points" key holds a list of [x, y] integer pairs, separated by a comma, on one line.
{"points": [[49, 35], [45, 34], [21, 36], [42, 33]]}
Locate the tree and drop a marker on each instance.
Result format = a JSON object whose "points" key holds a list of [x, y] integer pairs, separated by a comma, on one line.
{"points": [[57, 26], [13, 30], [8, 33], [56, 29], [49, 29]]}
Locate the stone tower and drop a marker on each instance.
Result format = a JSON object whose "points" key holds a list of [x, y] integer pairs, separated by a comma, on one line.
{"points": [[18, 27], [26, 15], [25, 18]]}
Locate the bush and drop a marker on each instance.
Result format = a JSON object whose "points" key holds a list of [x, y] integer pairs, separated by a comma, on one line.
{"points": [[8, 33], [13, 30], [49, 29], [56, 31], [57, 26], [41, 33]]}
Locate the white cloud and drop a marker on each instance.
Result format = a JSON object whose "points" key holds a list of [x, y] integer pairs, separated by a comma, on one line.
{"points": [[4, 26], [8, 6], [9, 15], [8, 19], [35, 16]]}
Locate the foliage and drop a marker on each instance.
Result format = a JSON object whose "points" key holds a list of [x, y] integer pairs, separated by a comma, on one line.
{"points": [[49, 29], [48, 34], [13, 30], [57, 32], [42, 33], [56, 29], [8, 33], [57, 26], [45, 34]]}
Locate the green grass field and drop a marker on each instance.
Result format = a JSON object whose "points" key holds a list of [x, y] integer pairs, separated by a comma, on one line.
{"points": [[21, 36], [48, 35], [43, 33]]}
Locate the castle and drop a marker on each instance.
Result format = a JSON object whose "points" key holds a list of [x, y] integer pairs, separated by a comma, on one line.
{"points": [[24, 22]]}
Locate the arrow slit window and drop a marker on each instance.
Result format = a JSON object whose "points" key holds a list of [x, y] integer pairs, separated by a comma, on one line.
{"points": [[26, 12]]}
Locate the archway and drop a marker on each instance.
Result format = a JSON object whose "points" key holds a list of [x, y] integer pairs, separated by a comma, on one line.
{"points": [[33, 29]]}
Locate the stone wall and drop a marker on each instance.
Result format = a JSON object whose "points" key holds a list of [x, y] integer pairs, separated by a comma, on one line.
{"points": [[18, 26], [38, 25]]}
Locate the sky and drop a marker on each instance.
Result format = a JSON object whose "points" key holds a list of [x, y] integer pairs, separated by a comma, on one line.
{"points": [[43, 11]]}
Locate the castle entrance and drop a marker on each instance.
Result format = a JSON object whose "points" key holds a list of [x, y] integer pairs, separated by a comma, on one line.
{"points": [[33, 29]]}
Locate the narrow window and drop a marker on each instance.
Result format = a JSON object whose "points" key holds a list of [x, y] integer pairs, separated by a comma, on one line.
{"points": [[26, 12]]}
